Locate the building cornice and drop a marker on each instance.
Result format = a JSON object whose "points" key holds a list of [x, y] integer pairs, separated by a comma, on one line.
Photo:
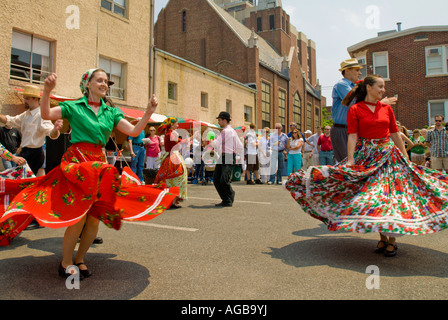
{"points": [[395, 35]]}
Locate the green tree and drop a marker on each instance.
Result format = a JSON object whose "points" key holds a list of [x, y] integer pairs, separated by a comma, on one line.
{"points": [[327, 120]]}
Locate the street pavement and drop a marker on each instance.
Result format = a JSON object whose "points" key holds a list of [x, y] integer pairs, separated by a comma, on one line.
{"points": [[263, 248]]}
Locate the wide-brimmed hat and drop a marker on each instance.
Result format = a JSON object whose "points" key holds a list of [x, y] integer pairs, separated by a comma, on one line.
{"points": [[224, 115], [31, 91], [350, 63]]}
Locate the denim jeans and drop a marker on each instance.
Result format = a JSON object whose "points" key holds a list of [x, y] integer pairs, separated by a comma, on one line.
{"points": [[326, 158], [138, 162], [277, 164], [199, 171]]}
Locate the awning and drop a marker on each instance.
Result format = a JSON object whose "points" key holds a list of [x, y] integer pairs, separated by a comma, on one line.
{"points": [[136, 114], [189, 123]]}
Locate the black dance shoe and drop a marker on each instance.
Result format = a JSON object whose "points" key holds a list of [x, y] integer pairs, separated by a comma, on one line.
{"points": [[64, 274], [85, 273]]}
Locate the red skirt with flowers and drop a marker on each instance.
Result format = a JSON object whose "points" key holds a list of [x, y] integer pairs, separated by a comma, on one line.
{"points": [[12, 227], [383, 192], [84, 184]]}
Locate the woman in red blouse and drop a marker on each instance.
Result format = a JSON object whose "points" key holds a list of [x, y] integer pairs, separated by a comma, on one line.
{"points": [[377, 188], [370, 118]]}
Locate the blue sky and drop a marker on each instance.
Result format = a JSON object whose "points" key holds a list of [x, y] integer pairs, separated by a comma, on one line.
{"points": [[336, 25]]}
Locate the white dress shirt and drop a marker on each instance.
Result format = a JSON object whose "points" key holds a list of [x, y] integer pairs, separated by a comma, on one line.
{"points": [[33, 128]]}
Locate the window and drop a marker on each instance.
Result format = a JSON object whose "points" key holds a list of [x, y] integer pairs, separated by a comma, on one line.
{"points": [[259, 24], [229, 106], [172, 91], [309, 115], [204, 100], [116, 6], [31, 58], [116, 73], [437, 107], [381, 64], [362, 61], [248, 114], [271, 22], [436, 60], [317, 117], [282, 107], [184, 21], [265, 105], [297, 111]]}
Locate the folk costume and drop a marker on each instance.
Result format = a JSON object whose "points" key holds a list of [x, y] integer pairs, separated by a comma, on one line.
{"points": [[13, 226], [173, 171], [84, 183], [382, 192]]}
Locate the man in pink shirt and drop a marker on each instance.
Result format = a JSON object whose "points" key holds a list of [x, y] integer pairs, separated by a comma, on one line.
{"points": [[228, 146]]}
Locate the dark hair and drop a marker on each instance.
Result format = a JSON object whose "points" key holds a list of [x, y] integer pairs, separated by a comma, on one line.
{"points": [[359, 92]]}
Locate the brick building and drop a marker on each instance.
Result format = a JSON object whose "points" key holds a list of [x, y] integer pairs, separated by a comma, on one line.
{"points": [[414, 63], [262, 50]]}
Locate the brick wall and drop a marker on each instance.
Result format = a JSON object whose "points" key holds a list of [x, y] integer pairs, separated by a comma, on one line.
{"points": [[407, 73], [227, 55]]}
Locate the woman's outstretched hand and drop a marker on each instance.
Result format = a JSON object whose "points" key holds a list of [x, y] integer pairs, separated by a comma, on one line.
{"points": [[153, 103]]}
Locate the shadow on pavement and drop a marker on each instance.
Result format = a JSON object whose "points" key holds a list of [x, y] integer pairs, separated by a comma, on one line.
{"points": [[36, 277], [349, 251]]}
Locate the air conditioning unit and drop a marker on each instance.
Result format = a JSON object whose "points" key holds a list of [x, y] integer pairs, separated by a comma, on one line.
{"points": [[434, 52]]}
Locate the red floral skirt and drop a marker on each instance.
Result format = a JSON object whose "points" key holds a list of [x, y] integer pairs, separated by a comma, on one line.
{"points": [[84, 184]]}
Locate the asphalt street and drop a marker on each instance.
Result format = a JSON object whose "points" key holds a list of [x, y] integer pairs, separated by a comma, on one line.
{"points": [[263, 248]]}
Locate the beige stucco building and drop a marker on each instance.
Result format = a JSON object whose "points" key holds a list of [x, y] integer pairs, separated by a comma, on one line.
{"points": [[69, 37], [188, 90]]}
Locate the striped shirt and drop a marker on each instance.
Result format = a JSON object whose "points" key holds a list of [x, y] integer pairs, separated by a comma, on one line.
{"points": [[439, 143]]}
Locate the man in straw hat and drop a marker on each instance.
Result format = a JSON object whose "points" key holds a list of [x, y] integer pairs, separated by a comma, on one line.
{"points": [[351, 72], [33, 128]]}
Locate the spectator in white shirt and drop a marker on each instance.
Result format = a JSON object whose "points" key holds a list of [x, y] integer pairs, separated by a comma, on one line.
{"points": [[252, 161], [33, 128]]}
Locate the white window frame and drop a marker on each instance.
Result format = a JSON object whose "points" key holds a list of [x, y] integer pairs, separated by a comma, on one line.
{"points": [[375, 54], [362, 60], [118, 86], [445, 110], [113, 4], [443, 50], [29, 72]]}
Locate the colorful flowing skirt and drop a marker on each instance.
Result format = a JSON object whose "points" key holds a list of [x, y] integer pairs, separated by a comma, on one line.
{"points": [[173, 172], [12, 227], [382, 192], [84, 184]]}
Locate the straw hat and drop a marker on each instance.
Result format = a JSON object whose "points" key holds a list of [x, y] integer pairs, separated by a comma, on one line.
{"points": [[350, 63], [31, 91]]}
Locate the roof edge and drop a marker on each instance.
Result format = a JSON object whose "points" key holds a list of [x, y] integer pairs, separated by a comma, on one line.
{"points": [[397, 34]]}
